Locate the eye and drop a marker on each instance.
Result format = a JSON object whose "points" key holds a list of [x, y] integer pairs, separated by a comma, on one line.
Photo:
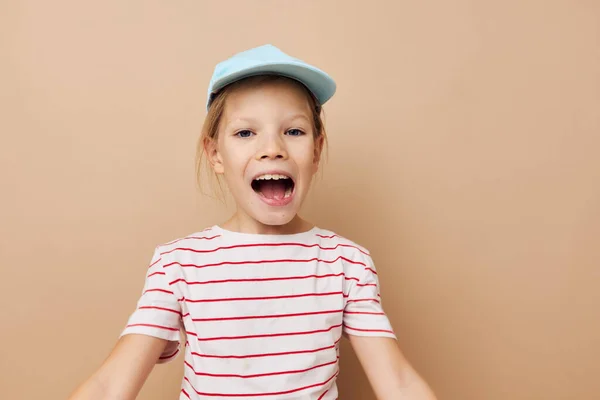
{"points": [[294, 132], [244, 133]]}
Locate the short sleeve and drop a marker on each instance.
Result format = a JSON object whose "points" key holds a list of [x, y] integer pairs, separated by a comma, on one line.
{"points": [[158, 312], [363, 311]]}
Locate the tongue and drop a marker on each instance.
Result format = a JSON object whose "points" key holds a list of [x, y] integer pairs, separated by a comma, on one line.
{"points": [[272, 189]]}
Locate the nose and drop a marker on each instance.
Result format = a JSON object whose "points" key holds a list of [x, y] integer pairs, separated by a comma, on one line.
{"points": [[272, 147]]}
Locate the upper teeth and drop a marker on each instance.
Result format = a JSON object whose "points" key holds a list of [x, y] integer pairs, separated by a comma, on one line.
{"points": [[271, 176]]}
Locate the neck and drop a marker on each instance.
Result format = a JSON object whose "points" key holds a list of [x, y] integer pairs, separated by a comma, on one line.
{"points": [[238, 223]]}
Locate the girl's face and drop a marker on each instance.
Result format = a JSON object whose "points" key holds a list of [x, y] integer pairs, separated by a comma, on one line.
{"points": [[267, 153]]}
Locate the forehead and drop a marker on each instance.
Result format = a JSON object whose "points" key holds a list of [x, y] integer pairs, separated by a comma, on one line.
{"points": [[267, 98]]}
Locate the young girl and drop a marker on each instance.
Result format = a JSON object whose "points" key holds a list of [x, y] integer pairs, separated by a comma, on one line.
{"points": [[265, 297]]}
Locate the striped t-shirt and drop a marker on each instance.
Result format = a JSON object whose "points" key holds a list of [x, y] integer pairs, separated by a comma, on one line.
{"points": [[262, 315]]}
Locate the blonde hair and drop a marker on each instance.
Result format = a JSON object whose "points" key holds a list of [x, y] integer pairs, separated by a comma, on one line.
{"points": [[210, 127]]}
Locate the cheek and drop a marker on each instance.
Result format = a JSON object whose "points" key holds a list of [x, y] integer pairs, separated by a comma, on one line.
{"points": [[306, 162], [234, 164], [303, 151], [228, 154]]}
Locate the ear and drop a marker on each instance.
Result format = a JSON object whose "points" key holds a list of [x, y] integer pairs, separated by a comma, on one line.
{"points": [[319, 142], [211, 150]]}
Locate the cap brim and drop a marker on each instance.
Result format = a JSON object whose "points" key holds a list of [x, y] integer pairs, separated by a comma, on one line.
{"points": [[320, 84]]}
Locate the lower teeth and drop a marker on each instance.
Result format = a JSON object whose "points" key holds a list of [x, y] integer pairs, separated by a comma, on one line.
{"points": [[288, 193]]}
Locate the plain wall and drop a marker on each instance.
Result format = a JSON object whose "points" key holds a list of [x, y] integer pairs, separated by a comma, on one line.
{"points": [[464, 153]]}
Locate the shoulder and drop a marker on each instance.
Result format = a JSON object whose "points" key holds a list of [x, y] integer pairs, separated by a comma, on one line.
{"points": [[346, 245], [355, 258], [202, 239]]}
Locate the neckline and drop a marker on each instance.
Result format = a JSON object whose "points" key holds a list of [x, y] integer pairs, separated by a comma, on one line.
{"points": [[265, 236]]}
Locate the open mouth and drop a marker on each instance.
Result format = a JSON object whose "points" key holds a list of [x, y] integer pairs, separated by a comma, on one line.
{"points": [[273, 186]]}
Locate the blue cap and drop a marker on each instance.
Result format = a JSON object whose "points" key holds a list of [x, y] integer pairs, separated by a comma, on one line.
{"points": [[269, 60]]}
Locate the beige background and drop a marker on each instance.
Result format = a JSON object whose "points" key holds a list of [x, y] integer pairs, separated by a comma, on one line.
{"points": [[466, 134]]}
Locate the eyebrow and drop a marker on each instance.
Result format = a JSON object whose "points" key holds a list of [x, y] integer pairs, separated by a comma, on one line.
{"points": [[298, 116], [252, 120]]}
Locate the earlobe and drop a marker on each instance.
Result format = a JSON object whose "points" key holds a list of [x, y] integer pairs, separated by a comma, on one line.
{"points": [[213, 155]]}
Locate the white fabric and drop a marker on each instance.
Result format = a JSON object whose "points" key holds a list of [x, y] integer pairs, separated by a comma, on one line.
{"points": [[262, 315]]}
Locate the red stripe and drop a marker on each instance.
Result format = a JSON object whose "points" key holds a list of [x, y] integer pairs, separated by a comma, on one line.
{"points": [[159, 308], [327, 237], [260, 394], [285, 278], [156, 273], [359, 300], [151, 265], [258, 375], [186, 394], [261, 298], [170, 355], [266, 335], [158, 290], [247, 245], [368, 330], [323, 395], [372, 270], [267, 354], [364, 312], [266, 316], [154, 326], [269, 262], [193, 237]]}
